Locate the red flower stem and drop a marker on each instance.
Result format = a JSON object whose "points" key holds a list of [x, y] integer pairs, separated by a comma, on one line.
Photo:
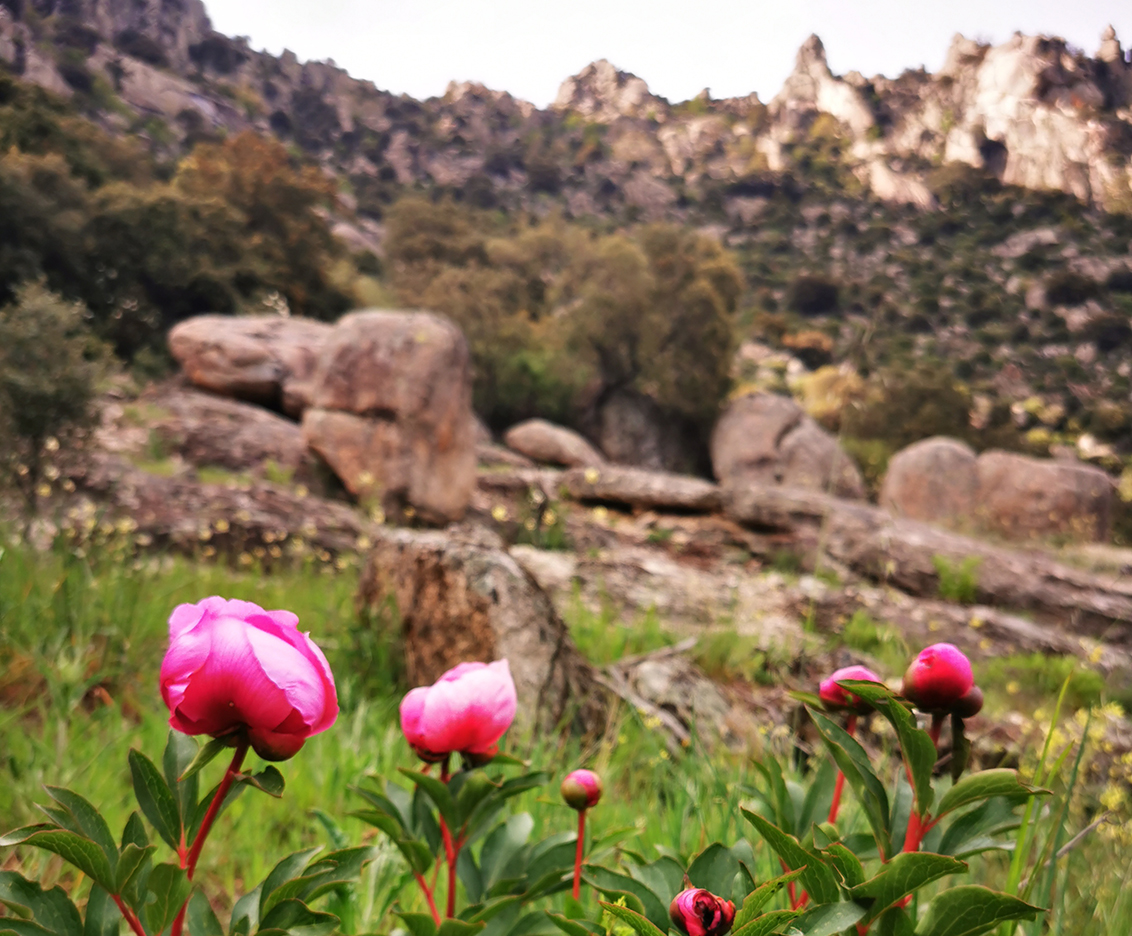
{"points": [[578, 853], [428, 896], [451, 850], [937, 724], [129, 916], [835, 806], [795, 901], [190, 863]]}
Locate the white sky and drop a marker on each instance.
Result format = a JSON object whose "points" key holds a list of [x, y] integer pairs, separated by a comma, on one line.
{"points": [[734, 47]]}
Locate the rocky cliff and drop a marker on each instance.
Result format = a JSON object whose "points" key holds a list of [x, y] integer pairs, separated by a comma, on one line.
{"points": [[1033, 111]]}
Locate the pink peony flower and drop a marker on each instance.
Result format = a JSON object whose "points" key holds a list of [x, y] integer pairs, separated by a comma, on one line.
{"points": [[581, 789], [835, 697], [938, 678], [698, 912], [234, 669], [467, 710]]}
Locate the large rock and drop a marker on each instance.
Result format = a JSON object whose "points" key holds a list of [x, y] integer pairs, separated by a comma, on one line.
{"points": [[763, 438], [640, 488], [260, 358], [934, 480], [545, 442], [633, 431], [1021, 497], [391, 410], [460, 600], [209, 430]]}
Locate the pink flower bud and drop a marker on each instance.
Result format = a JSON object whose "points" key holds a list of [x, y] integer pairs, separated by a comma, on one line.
{"points": [[970, 704], [835, 697], [938, 678], [581, 789], [698, 912], [234, 669], [467, 710]]}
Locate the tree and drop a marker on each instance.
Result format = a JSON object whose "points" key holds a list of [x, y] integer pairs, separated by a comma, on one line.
{"points": [[49, 364]]}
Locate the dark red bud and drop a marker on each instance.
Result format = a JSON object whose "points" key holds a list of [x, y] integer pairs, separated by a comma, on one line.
{"points": [[970, 704], [698, 912]]}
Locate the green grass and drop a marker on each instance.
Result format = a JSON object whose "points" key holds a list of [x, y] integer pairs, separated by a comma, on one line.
{"points": [[81, 642]]}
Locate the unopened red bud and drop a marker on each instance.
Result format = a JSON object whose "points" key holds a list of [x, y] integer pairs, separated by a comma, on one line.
{"points": [[581, 789], [834, 697], [938, 678], [970, 704], [698, 912]]}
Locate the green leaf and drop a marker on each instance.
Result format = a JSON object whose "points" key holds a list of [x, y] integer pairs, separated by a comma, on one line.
{"points": [[155, 798], [642, 925], [854, 762], [828, 919], [475, 787], [781, 802], [916, 745], [129, 864], [269, 781], [905, 874], [134, 832], [983, 785], [761, 896], [770, 922], [818, 879], [294, 916], [81, 852], [245, 914], [960, 748], [664, 877], [569, 927], [819, 796], [459, 928], [714, 869], [894, 922], [290, 867], [493, 908], [102, 915], [418, 924], [180, 750], [201, 918], [18, 927], [205, 756], [502, 846], [847, 864], [617, 884], [437, 792], [52, 909], [971, 910], [169, 888], [974, 832], [89, 820]]}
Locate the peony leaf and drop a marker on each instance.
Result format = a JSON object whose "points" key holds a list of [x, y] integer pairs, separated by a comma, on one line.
{"points": [[295, 917], [269, 781], [760, 897], [770, 922], [289, 868], [168, 887], [642, 925], [418, 924], [130, 864], [617, 884], [714, 869], [437, 792], [818, 879], [829, 919], [459, 928], [1000, 781], [569, 927], [201, 918], [155, 798], [79, 851], [905, 874], [102, 916], [971, 910], [51, 909]]}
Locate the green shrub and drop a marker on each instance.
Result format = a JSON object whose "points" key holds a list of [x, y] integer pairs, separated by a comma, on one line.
{"points": [[958, 582]]}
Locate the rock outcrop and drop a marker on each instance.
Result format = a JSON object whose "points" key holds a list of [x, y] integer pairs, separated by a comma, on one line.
{"points": [[638, 488], [934, 480], [458, 600], [262, 359], [390, 411], [545, 442], [763, 438]]}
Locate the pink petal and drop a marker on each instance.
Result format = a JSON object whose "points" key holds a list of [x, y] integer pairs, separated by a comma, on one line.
{"points": [[412, 708], [471, 712]]}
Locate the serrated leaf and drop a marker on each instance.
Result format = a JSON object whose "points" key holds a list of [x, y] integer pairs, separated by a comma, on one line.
{"points": [[168, 889], [52, 909], [983, 785], [617, 884], [156, 800], [102, 915], [916, 745], [819, 880], [435, 791], [854, 763], [770, 922], [79, 851], [971, 910], [905, 874], [203, 757], [829, 919], [201, 919], [129, 864], [761, 896], [642, 925]]}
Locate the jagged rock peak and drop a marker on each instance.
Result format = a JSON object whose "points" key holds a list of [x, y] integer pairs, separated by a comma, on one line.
{"points": [[602, 92], [1110, 50], [812, 86], [811, 54]]}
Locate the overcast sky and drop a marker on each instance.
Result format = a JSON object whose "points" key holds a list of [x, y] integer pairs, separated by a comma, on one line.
{"points": [[734, 47]]}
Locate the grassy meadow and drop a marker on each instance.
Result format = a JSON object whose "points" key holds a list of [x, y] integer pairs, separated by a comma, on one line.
{"points": [[81, 642]]}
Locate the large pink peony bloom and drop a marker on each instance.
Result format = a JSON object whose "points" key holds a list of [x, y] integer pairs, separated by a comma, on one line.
{"points": [[698, 912], [233, 668], [467, 710]]}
